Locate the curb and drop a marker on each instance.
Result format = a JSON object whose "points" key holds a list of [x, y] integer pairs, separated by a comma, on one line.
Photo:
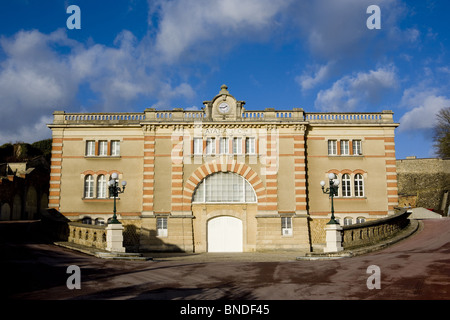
{"points": [[102, 253]]}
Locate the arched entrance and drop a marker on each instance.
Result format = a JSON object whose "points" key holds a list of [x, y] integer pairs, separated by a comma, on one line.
{"points": [[225, 234]]}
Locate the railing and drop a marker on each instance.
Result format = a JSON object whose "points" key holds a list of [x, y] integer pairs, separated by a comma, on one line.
{"points": [[70, 118], [371, 232], [345, 117], [253, 115], [87, 235], [178, 114]]}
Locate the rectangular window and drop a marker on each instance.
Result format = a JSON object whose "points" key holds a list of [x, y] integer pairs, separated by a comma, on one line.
{"points": [[161, 227], [286, 226], [224, 146], [90, 148], [250, 146], [115, 148], [237, 145], [103, 148], [345, 147], [210, 146], [357, 147], [198, 146], [332, 147]]}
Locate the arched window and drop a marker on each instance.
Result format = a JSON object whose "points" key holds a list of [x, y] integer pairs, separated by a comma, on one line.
{"points": [[224, 187], [101, 186], [89, 186], [346, 189], [360, 220], [359, 185], [348, 221]]}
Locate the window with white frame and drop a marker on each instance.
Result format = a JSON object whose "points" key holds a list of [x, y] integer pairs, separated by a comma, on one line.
{"points": [[101, 186], [90, 148], [359, 185], [348, 221], [224, 187], [345, 147], [161, 227], [103, 148], [237, 145], [250, 145], [224, 145], [346, 185], [332, 147], [115, 148], [198, 146], [357, 150], [286, 226], [89, 186], [210, 146], [360, 220]]}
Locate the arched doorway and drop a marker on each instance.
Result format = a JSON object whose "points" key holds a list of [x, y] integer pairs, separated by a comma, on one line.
{"points": [[225, 234]]}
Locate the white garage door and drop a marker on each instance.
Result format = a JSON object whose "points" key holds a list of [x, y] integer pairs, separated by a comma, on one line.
{"points": [[225, 234]]}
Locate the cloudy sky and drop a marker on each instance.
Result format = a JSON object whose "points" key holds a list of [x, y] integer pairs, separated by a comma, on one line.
{"points": [[318, 55]]}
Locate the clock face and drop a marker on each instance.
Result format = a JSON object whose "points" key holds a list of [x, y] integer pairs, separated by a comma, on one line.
{"points": [[224, 107]]}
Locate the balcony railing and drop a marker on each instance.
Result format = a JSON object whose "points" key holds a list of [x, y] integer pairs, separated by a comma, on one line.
{"points": [[180, 115]]}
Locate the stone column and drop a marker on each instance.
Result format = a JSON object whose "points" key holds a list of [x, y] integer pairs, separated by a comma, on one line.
{"points": [[334, 238], [114, 238]]}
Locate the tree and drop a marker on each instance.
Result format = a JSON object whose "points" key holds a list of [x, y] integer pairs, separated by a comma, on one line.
{"points": [[442, 133]]}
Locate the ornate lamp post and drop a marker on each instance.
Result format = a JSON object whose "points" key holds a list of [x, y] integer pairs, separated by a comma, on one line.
{"points": [[332, 191], [114, 190]]}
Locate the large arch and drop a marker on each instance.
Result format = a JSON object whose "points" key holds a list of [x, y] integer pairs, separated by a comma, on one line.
{"points": [[212, 167]]}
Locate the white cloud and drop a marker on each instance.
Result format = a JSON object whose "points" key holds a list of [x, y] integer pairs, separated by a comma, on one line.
{"points": [[423, 115], [197, 28], [36, 78], [308, 81], [354, 92]]}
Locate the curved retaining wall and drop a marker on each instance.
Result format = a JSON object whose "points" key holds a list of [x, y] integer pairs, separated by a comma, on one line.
{"points": [[370, 232]]}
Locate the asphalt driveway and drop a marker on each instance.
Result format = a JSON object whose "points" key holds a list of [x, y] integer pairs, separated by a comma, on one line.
{"points": [[415, 268]]}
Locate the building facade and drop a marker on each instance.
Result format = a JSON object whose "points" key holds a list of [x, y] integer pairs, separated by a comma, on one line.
{"points": [[223, 179]]}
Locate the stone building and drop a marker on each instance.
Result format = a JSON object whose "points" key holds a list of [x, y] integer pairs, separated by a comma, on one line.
{"points": [[424, 183], [224, 179], [24, 188]]}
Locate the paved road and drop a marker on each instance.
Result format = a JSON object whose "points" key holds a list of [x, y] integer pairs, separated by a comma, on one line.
{"points": [[415, 268]]}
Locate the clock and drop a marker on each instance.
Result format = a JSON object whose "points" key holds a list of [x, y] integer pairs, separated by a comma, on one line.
{"points": [[224, 107]]}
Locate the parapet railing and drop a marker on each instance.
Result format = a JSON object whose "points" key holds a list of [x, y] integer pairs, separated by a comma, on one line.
{"points": [[87, 235], [352, 117], [96, 117], [178, 114], [371, 232]]}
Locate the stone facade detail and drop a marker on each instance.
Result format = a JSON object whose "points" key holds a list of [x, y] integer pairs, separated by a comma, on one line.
{"points": [[282, 155]]}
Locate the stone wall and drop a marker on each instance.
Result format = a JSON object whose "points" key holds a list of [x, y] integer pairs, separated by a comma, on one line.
{"points": [[87, 235], [371, 232], [424, 182]]}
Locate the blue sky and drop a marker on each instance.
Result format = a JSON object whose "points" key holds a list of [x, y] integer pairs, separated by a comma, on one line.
{"points": [[317, 55]]}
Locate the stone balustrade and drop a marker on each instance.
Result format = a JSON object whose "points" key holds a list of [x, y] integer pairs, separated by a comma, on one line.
{"points": [[88, 235], [370, 232], [181, 115]]}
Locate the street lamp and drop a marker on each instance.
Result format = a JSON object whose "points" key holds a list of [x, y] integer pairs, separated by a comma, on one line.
{"points": [[332, 191], [114, 190]]}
